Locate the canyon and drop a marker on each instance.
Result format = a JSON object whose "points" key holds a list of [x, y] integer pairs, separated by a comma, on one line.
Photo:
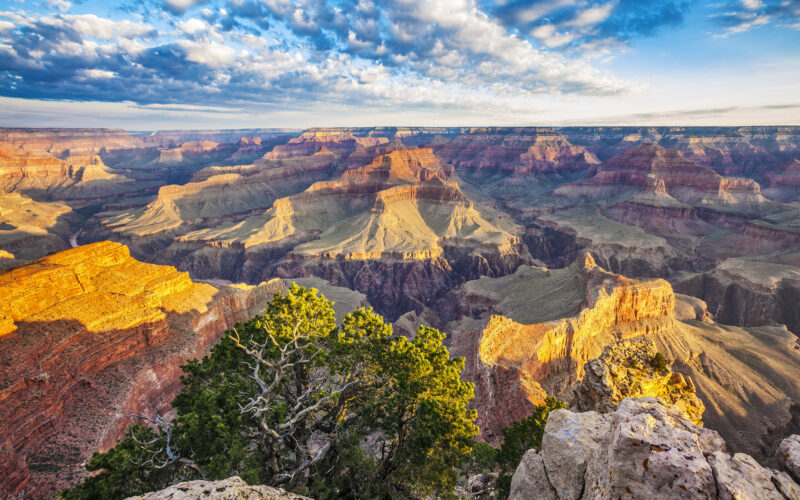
{"points": [[532, 248]]}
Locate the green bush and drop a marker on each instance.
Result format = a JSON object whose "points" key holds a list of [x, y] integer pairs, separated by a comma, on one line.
{"points": [[659, 362], [520, 437], [290, 399]]}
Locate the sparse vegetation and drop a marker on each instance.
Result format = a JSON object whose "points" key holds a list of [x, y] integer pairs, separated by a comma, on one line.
{"points": [[520, 437], [659, 362], [292, 400]]}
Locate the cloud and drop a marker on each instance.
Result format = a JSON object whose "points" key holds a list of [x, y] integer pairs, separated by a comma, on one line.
{"points": [[583, 26], [744, 15], [61, 5], [180, 6], [448, 54]]}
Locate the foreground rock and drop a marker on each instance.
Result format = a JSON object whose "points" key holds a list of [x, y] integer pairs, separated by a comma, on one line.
{"points": [[228, 489], [89, 335], [647, 449]]}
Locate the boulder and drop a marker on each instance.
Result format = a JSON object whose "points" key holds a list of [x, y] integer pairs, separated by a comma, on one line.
{"points": [[569, 441], [233, 488], [789, 455], [785, 484], [530, 480], [740, 477]]}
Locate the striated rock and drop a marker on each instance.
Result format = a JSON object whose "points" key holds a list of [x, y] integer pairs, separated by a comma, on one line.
{"points": [[487, 152], [569, 442], [233, 488], [42, 176], [530, 480], [789, 455], [637, 169], [401, 218], [538, 327], [531, 333], [740, 476], [91, 335], [652, 451], [626, 369]]}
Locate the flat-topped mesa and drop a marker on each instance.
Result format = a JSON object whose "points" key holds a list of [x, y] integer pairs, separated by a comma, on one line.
{"points": [[68, 141], [87, 336], [513, 152]]}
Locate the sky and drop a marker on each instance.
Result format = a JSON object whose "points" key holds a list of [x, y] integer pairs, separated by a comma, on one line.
{"points": [[170, 64]]}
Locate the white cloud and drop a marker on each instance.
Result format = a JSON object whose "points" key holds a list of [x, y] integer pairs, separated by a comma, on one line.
{"points": [[594, 15], [99, 74], [211, 54], [61, 5], [752, 4], [192, 26], [180, 6]]}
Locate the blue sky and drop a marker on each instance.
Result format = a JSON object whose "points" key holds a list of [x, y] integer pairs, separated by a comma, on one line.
{"points": [[162, 64]]}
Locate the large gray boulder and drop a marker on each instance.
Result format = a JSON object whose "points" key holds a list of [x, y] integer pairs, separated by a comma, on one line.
{"points": [[569, 442], [530, 480], [740, 477], [789, 455], [652, 452], [233, 488]]}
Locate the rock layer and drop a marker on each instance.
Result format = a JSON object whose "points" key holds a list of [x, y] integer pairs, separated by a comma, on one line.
{"points": [[92, 335]]}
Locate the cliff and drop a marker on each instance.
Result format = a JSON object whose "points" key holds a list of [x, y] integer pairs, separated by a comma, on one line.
{"points": [[532, 333], [226, 489], [90, 335]]}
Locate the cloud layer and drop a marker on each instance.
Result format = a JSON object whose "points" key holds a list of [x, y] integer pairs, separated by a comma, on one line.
{"points": [[447, 54]]}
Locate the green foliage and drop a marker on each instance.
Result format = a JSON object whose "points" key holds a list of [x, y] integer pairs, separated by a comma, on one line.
{"points": [[659, 362], [520, 437], [290, 399], [129, 469]]}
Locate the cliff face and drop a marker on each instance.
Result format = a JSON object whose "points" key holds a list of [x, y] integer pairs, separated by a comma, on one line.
{"points": [[89, 335], [517, 152], [539, 340], [532, 333], [637, 168], [45, 177]]}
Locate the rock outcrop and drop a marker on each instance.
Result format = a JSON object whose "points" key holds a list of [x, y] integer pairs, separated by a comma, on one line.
{"points": [[631, 369], [646, 449], [91, 335], [232, 488]]}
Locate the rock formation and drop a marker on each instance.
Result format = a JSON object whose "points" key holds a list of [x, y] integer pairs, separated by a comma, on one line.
{"points": [[401, 218], [646, 449], [232, 488], [44, 177], [665, 171], [630, 369], [32, 229], [90, 335], [532, 333]]}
